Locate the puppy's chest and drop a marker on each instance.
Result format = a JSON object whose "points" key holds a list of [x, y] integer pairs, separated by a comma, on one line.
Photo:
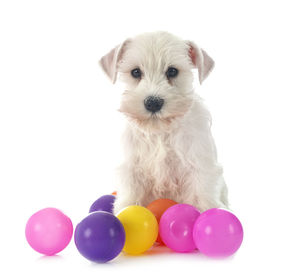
{"points": [[158, 157]]}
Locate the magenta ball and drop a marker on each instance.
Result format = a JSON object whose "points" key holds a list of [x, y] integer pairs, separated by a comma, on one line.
{"points": [[176, 227], [49, 231], [218, 233]]}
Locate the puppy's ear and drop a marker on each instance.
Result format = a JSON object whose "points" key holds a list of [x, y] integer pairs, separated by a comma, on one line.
{"points": [[109, 62], [200, 60]]}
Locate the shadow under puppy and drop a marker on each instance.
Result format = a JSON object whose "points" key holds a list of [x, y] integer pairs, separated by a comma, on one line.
{"points": [[169, 149]]}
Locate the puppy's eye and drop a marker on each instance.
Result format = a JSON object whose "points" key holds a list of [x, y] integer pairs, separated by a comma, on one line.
{"points": [[136, 73], [171, 72]]}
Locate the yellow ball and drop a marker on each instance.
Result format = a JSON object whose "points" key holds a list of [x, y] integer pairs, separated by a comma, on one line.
{"points": [[141, 229]]}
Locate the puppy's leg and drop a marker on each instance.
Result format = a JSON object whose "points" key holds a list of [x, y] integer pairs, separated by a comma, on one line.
{"points": [[130, 190], [224, 193], [205, 190]]}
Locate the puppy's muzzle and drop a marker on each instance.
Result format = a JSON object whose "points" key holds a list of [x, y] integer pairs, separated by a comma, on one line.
{"points": [[153, 103]]}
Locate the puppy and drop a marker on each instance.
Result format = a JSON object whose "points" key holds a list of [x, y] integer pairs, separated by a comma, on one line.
{"points": [[169, 148]]}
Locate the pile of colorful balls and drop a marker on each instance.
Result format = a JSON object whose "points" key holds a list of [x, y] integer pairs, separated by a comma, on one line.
{"points": [[101, 236]]}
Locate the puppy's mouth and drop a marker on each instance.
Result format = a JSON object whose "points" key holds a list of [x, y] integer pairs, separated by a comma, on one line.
{"points": [[158, 117], [153, 122]]}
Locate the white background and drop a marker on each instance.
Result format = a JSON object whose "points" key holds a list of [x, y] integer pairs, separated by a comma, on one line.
{"points": [[60, 129]]}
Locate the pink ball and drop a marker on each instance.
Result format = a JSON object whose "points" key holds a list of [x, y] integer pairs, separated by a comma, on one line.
{"points": [[49, 231], [218, 233], [176, 227]]}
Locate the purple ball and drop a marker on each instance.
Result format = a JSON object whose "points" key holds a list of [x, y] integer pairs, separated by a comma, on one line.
{"points": [[104, 203], [100, 237], [218, 233], [176, 227]]}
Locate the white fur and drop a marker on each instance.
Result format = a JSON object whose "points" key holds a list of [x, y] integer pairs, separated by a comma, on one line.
{"points": [[170, 154]]}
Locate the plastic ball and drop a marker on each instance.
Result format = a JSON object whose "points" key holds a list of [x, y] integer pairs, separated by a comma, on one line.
{"points": [[99, 237], [158, 207], [104, 203], [218, 233], [114, 193], [176, 227], [49, 231], [141, 229]]}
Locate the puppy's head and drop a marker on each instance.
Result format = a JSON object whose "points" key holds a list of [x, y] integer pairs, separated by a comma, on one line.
{"points": [[157, 71]]}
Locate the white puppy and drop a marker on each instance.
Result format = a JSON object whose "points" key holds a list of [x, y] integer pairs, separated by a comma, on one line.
{"points": [[169, 149]]}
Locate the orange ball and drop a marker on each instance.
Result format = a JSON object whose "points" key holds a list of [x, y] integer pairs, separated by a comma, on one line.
{"points": [[114, 193], [158, 207]]}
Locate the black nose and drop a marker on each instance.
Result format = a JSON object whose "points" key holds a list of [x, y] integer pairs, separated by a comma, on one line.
{"points": [[153, 103]]}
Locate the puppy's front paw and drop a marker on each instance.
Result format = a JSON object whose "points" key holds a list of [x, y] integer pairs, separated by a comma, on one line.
{"points": [[121, 203], [205, 205]]}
